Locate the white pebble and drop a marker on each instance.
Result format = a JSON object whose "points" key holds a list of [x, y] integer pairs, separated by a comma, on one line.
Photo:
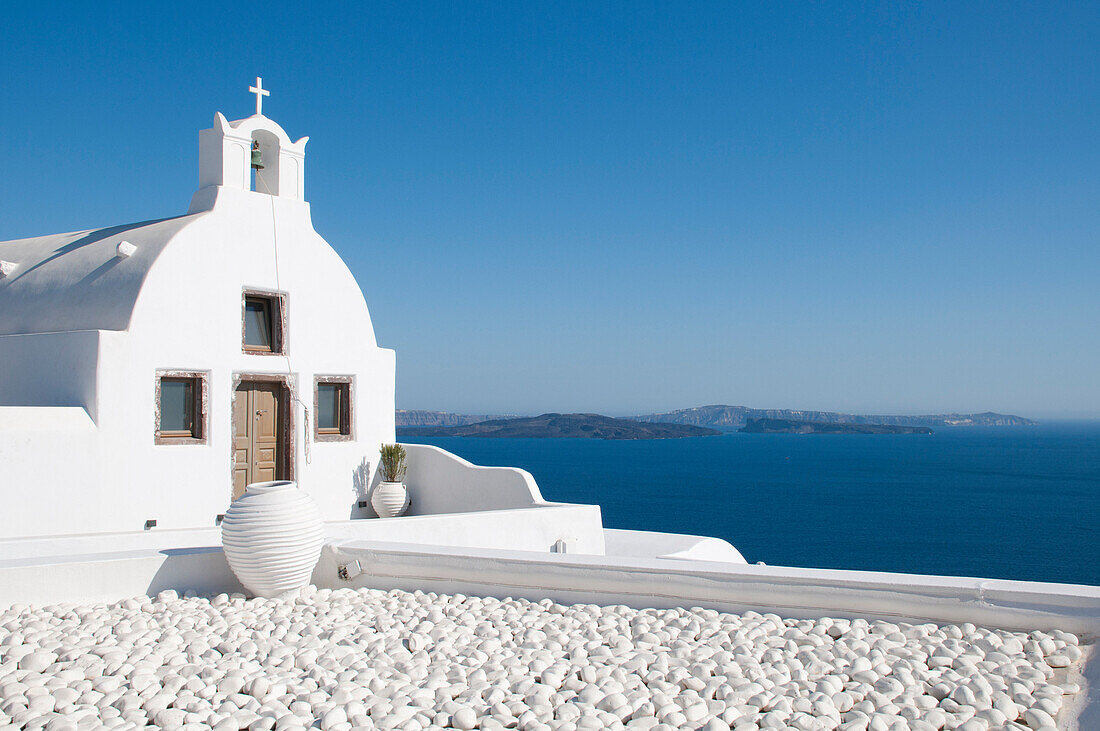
{"points": [[346, 659], [465, 718], [37, 661], [1038, 719]]}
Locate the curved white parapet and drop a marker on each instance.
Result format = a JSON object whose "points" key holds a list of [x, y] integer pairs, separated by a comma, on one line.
{"points": [[272, 536], [651, 544], [441, 482]]}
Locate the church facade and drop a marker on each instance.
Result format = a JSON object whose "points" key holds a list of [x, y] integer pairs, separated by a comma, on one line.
{"points": [[149, 371]]}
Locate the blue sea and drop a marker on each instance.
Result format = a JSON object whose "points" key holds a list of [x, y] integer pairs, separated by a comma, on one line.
{"points": [[1007, 502]]}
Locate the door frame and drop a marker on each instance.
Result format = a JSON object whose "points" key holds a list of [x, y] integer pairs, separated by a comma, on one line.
{"points": [[286, 419]]}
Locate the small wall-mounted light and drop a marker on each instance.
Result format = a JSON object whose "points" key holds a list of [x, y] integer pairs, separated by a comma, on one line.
{"points": [[151, 523], [7, 267], [218, 520], [559, 546], [349, 571], [125, 250]]}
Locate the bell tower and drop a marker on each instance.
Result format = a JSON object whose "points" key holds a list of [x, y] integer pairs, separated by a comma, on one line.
{"points": [[227, 155]]}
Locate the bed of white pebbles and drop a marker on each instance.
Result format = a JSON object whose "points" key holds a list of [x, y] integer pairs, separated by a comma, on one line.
{"points": [[366, 659]]}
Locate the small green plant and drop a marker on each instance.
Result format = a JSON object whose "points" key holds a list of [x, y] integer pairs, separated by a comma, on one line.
{"points": [[392, 462]]}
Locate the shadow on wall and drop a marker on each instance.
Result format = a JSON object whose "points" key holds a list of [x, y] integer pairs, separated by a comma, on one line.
{"points": [[202, 570], [99, 271], [361, 489]]}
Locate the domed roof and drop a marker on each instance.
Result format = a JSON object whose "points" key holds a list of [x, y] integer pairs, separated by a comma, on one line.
{"points": [[79, 280], [83, 281]]}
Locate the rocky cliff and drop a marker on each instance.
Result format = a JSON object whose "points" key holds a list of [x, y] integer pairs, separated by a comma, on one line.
{"points": [[414, 417]]}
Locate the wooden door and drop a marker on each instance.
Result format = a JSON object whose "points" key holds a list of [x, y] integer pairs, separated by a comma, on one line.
{"points": [[259, 446]]}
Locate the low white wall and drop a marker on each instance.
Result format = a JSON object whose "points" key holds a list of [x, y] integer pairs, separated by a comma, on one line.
{"points": [[525, 529], [112, 576], [790, 592], [116, 565], [441, 482], [157, 539]]}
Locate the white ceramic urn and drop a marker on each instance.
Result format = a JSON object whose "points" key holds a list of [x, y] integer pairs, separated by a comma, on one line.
{"points": [[272, 536], [390, 499]]}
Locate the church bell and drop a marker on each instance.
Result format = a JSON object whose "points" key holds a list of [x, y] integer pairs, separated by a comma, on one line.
{"points": [[257, 158]]}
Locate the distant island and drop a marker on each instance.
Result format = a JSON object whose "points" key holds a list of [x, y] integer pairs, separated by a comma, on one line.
{"points": [[732, 418], [791, 426], [560, 426]]}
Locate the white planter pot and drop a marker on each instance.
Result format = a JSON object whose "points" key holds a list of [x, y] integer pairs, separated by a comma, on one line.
{"points": [[390, 499], [272, 536]]}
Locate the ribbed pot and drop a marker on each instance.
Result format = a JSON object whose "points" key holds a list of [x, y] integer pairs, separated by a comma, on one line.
{"points": [[272, 537], [390, 499]]}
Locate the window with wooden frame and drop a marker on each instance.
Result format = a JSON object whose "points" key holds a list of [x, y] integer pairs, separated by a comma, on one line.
{"points": [[264, 326], [181, 408], [332, 409]]}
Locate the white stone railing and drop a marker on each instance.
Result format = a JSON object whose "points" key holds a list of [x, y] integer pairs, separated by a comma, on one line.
{"points": [[661, 583]]}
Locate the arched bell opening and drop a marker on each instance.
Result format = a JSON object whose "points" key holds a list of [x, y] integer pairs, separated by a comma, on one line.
{"points": [[274, 167], [265, 164]]}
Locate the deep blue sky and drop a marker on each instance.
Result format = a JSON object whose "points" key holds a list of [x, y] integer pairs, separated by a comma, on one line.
{"points": [[629, 207]]}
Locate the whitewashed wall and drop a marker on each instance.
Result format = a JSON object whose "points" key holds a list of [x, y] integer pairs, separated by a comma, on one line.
{"points": [[48, 369]]}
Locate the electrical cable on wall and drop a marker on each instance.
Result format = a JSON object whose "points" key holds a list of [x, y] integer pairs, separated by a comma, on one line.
{"points": [[291, 386]]}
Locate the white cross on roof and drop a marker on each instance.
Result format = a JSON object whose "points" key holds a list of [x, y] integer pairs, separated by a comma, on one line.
{"points": [[260, 93]]}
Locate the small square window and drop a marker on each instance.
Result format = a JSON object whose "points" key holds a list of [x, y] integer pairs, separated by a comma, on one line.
{"points": [[180, 412], [333, 408], [263, 323]]}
